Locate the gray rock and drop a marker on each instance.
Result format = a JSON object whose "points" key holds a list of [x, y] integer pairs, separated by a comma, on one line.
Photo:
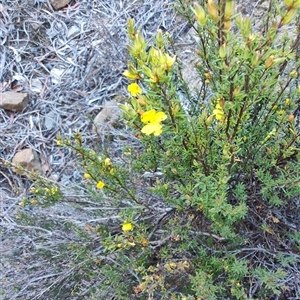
{"points": [[50, 120], [13, 101]]}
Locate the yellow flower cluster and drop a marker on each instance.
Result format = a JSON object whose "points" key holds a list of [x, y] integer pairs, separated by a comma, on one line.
{"points": [[154, 63], [107, 168], [51, 191], [153, 120]]}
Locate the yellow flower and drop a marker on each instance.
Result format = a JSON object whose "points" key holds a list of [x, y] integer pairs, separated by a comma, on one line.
{"points": [[100, 185], [293, 74], [208, 75], [134, 89], [127, 226], [107, 162], [153, 120], [87, 175], [170, 60], [59, 143], [219, 113]]}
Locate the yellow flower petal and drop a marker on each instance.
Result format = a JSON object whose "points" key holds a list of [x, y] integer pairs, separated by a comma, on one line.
{"points": [[127, 226], [154, 128], [86, 175], [153, 117], [170, 60], [134, 89], [100, 185], [148, 116], [160, 116]]}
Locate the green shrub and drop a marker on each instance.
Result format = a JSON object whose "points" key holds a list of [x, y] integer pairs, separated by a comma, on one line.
{"points": [[207, 164]]}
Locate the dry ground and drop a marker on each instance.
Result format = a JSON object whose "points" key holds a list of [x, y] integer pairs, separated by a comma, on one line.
{"points": [[70, 62]]}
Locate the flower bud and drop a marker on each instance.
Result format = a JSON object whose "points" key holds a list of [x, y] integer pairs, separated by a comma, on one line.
{"points": [[175, 109], [229, 9], [222, 51], [245, 25], [139, 43], [255, 59], [278, 61], [128, 111], [131, 31], [141, 101], [209, 120], [293, 74], [199, 13], [288, 18], [287, 101], [288, 3], [208, 75], [227, 25], [131, 74], [269, 61], [236, 91], [221, 102], [291, 118], [212, 10], [159, 39]]}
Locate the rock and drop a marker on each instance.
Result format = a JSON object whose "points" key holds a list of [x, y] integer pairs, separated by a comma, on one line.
{"points": [[50, 120], [27, 159], [72, 32], [36, 85], [13, 101], [56, 75], [107, 118], [58, 4]]}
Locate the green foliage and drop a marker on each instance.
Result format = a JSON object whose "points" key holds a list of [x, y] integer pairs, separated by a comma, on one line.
{"points": [[237, 143]]}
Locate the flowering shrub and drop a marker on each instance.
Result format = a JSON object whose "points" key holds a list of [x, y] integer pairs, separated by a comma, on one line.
{"points": [[203, 177]]}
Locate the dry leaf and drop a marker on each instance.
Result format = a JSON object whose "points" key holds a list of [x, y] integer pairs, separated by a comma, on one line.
{"points": [[274, 219]]}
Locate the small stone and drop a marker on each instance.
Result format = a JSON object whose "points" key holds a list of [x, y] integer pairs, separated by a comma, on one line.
{"points": [[56, 75], [13, 101], [58, 4], [36, 85], [50, 120], [73, 31], [107, 117], [29, 160]]}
